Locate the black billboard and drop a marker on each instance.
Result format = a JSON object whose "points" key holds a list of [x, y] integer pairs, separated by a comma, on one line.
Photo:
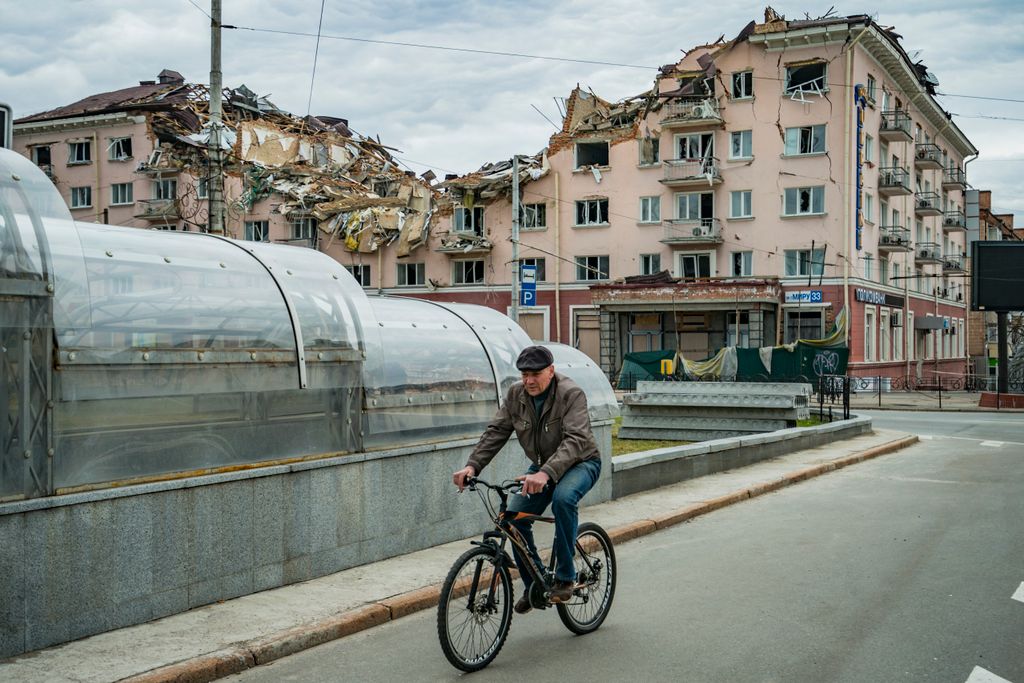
{"points": [[997, 276]]}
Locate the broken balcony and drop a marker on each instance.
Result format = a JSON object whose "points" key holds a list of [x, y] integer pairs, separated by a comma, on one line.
{"points": [[954, 221], [158, 209], [895, 126], [691, 172], [894, 238], [693, 231], [954, 179], [927, 204], [893, 181], [691, 113], [464, 244], [928, 252], [953, 264], [928, 156]]}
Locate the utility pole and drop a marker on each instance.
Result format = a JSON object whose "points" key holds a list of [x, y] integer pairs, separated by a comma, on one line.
{"points": [[515, 238], [216, 179]]}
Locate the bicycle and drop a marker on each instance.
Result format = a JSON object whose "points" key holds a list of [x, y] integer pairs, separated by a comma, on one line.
{"points": [[474, 613]]}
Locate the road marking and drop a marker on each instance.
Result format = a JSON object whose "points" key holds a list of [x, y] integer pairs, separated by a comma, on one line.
{"points": [[979, 675], [1018, 594], [982, 442], [925, 437], [992, 444]]}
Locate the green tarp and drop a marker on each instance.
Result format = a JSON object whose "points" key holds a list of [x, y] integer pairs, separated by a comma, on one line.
{"points": [[641, 366]]}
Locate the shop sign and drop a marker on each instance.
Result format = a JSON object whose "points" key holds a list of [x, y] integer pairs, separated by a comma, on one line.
{"points": [[806, 296], [869, 296]]}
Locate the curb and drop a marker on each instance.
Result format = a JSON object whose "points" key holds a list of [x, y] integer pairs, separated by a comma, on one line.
{"points": [[935, 409], [247, 655]]}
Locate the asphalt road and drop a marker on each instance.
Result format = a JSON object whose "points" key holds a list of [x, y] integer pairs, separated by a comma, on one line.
{"points": [[907, 567]]}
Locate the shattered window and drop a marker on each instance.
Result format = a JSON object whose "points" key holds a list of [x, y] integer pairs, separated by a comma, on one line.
{"points": [[650, 264], [871, 88], [79, 152], [694, 266], [203, 188], [650, 153], [742, 263], [804, 200], [805, 140], [411, 274], [120, 149], [741, 144], [591, 267], [41, 155], [81, 197], [537, 263], [121, 193], [304, 228], [592, 212], [257, 231], [165, 188], [805, 78], [694, 206], [742, 85], [469, 220], [469, 272], [650, 209], [534, 217], [591, 154], [695, 147], [361, 272]]}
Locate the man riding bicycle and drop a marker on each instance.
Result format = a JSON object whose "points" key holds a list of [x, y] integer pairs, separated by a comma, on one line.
{"points": [[549, 415]]}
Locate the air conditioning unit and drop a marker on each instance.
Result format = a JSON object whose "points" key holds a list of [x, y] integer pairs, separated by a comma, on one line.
{"points": [[886, 239], [924, 203]]}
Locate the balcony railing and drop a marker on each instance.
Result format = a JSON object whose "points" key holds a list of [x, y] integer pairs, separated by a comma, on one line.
{"points": [[953, 263], [927, 204], [954, 221], [691, 171], [894, 238], [928, 155], [692, 112], [692, 231], [895, 126], [157, 209], [928, 252], [893, 180], [954, 178]]}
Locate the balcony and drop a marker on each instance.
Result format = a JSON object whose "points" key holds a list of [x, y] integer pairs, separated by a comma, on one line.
{"points": [[927, 204], [893, 181], [895, 126], [928, 252], [928, 156], [954, 179], [894, 238], [464, 244], [692, 112], [158, 210], [953, 264], [691, 172], [954, 221], [693, 231]]}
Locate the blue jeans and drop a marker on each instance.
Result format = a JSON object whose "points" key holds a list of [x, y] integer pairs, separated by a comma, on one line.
{"points": [[564, 498]]}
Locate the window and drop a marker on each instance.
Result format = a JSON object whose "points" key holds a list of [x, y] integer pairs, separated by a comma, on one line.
{"points": [[872, 86], [869, 208], [740, 146], [119, 149], [203, 188], [804, 78], [742, 85], [742, 263], [468, 272], [166, 188], [411, 274], [803, 325], [79, 152], [803, 262], [739, 204], [650, 264], [650, 209], [884, 338], [693, 266], [361, 272], [883, 270], [591, 154], [121, 193], [695, 147], [592, 212], [257, 231], [869, 148], [696, 206], [469, 220], [650, 152], [41, 155], [897, 335], [804, 201], [534, 217], [81, 197], [304, 228], [805, 140], [869, 334], [537, 263], [868, 262], [591, 268], [738, 333]]}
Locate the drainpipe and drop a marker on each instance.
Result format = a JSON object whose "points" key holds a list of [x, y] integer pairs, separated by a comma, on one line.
{"points": [[96, 164], [558, 266], [848, 140]]}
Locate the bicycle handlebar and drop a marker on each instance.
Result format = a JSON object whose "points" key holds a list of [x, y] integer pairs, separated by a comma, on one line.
{"points": [[504, 487]]}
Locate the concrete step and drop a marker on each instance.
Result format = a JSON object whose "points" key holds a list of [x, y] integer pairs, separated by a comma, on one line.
{"points": [[748, 425], [735, 388], [677, 434], [749, 400], [719, 412]]}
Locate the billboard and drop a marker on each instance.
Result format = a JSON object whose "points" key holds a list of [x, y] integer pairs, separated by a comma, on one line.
{"points": [[997, 276]]}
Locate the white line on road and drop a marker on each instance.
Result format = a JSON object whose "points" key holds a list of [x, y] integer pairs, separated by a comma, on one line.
{"points": [[992, 444], [979, 675], [1018, 594]]}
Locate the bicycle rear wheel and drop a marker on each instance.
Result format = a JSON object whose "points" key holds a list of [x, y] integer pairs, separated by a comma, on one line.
{"points": [[474, 612], [595, 575]]}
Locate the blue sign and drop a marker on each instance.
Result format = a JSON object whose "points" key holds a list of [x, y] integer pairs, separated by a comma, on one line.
{"points": [[528, 294], [812, 296]]}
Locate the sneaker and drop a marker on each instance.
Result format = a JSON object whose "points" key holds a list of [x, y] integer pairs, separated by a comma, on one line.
{"points": [[561, 591], [523, 604]]}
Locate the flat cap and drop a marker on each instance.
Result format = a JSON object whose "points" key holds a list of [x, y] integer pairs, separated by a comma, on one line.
{"points": [[534, 358]]}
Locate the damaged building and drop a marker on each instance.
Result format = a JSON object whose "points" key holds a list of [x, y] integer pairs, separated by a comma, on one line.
{"points": [[140, 157]]}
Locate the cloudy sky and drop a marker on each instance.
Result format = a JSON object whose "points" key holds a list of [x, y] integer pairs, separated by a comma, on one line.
{"points": [[452, 111]]}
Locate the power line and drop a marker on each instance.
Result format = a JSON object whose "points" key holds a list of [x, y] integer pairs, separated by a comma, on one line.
{"points": [[316, 54], [981, 97], [201, 10]]}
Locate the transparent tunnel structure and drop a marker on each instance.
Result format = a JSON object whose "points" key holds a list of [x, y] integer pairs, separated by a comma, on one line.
{"points": [[131, 355]]}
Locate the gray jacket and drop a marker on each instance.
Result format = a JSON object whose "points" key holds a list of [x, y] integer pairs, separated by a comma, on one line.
{"points": [[556, 440]]}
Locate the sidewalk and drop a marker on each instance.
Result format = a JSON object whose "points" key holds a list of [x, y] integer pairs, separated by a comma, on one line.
{"points": [[957, 401], [221, 639]]}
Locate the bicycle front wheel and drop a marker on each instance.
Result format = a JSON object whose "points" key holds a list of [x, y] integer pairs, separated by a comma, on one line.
{"points": [[595, 580], [474, 613]]}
